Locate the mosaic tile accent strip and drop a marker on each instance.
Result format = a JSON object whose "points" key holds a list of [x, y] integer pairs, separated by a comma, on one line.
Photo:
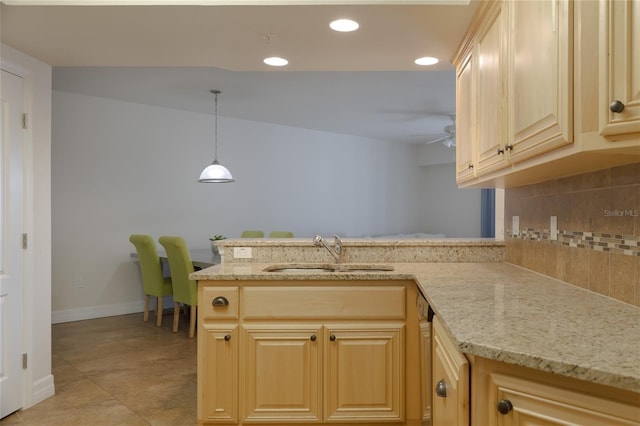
{"points": [[614, 243]]}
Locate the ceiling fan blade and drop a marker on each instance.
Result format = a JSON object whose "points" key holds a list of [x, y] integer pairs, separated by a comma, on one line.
{"points": [[438, 139]]}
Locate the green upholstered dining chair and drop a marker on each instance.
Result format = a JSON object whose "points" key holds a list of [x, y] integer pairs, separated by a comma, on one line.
{"points": [[252, 234], [185, 291], [153, 282], [280, 234]]}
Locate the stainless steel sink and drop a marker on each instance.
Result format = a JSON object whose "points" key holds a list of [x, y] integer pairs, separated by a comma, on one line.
{"points": [[327, 267], [363, 267], [300, 270], [300, 267]]}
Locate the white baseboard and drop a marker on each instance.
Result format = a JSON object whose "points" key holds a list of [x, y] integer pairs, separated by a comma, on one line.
{"points": [[42, 389], [100, 311]]}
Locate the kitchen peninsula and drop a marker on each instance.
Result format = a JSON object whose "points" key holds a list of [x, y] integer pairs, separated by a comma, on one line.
{"points": [[525, 337]]}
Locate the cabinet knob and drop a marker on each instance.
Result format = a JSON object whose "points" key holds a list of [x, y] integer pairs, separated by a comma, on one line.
{"points": [[500, 151], [313, 338], [505, 406], [332, 338], [616, 106], [470, 166], [227, 337], [220, 301], [508, 147], [441, 389]]}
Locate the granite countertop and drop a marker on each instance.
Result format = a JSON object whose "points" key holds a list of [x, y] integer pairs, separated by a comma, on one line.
{"points": [[363, 242], [503, 312]]}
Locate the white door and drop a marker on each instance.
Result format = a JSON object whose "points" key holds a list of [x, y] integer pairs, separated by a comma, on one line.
{"points": [[11, 251]]}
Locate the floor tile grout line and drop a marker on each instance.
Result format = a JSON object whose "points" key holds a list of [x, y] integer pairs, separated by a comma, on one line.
{"points": [[73, 338]]}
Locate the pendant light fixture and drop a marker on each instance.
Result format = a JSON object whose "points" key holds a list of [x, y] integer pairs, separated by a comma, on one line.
{"points": [[215, 172]]}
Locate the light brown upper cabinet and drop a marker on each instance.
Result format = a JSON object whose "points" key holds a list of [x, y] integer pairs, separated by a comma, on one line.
{"points": [[536, 85], [464, 126], [539, 77], [489, 97], [620, 69]]}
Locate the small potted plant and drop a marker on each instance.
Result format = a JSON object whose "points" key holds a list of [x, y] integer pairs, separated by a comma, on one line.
{"points": [[214, 246]]}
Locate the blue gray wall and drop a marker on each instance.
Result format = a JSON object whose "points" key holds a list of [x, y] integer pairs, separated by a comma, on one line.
{"points": [[120, 168]]}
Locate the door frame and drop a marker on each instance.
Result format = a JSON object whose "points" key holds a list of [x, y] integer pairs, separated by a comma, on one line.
{"points": [[11, 390], [27, 279], [32, 391]]}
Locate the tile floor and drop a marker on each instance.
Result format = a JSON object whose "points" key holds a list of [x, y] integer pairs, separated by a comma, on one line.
{"points": [[118, 371]]}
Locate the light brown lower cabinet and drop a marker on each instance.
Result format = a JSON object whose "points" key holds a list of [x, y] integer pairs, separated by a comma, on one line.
{"points": [[355, 369], [511, 395], [450, 379], [425, 359], [487, 392], [290, 353]]}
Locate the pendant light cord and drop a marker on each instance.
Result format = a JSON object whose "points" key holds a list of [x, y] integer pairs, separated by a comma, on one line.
{"points": [[215, 127]]}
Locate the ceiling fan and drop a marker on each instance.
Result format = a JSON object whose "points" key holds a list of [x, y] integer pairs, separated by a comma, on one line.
{"points": [[448, 138]]}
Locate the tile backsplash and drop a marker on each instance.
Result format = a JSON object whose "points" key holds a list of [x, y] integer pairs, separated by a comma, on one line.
{"points": [[598, 238]]}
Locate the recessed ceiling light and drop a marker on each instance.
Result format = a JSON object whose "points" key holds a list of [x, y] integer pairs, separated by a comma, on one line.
{"points": [[426, 60], [275, 61], [344, 25]]}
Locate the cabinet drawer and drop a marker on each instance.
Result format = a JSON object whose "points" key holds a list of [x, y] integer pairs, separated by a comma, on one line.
{"points": [[313, 302], [222, 295], [536, 403]]}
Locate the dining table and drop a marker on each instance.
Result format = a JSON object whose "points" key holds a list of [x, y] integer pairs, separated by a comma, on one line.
{"points": [[201, 258]]}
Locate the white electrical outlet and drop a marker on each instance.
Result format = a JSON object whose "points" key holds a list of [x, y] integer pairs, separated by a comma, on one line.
{"points": [[242, 252], [515, 226], [553, 228]]}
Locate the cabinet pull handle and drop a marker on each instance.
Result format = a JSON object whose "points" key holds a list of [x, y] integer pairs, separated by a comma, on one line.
{"points": [[508, 147], [616, 106], [220, 301], [227, 337], [313, 337], [500, 151], [505, 406], [470, 166], [441, 389], [332, 338]]}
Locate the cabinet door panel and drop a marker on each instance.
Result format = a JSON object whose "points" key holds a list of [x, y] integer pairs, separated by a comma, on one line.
{"points": [[281, 373], [425, 369], [451, 375], [489, 93], [540, 404], [540, 77], [464, 123], [620, 66], [218, 378], [364, 372]]}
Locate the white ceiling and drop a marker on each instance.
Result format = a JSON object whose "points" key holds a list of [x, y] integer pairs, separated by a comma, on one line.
{"points": [[363, 83]]}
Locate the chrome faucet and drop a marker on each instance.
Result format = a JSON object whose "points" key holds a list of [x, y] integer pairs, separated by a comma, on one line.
{"points": [[336, 250]]}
